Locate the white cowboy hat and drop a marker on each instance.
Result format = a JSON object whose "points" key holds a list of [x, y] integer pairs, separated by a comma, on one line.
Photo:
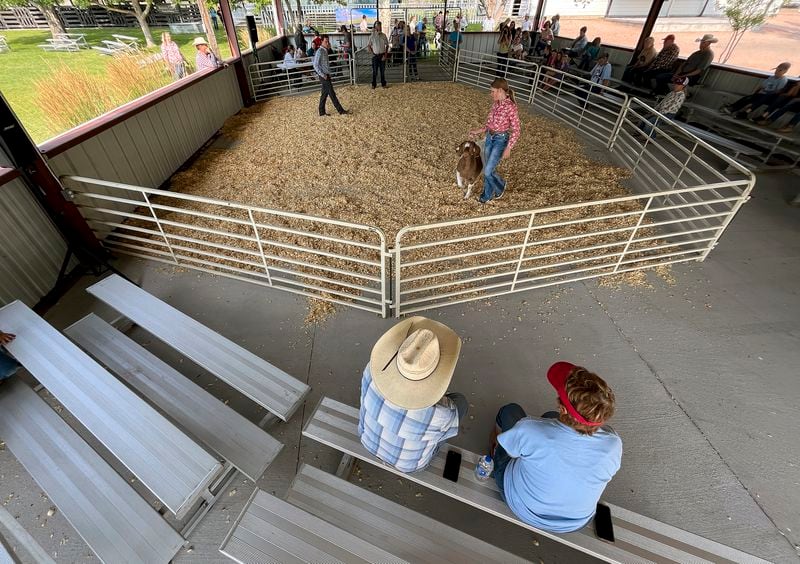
{"points": [[199, 41], [707, 37], [413, 362]]}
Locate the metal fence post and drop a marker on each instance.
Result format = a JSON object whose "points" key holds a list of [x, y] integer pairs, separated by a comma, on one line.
{"points": [[633, 234], [396, 259], [612, 138], [260, 246], [158, 224], [535, 85], [522, 251]]}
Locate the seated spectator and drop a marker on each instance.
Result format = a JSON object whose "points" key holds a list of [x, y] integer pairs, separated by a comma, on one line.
{"points": [[559, 62], [517, 50], [316, 42], [545, 38], [601, 72], [309, 29], [288, 57], [589, 54], [692, 68], [788, 101], [668, 106], [643, 60], [766, 93], [405, 413], [552, 470], [663, 62], [579, 44], [8, 364], [526, 42]]}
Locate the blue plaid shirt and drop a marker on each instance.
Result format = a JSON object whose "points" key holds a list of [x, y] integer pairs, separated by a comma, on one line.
{"points": [[405, 438]]}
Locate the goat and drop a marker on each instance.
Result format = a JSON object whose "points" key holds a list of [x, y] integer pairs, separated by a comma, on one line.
{"points": [[470, 166]]}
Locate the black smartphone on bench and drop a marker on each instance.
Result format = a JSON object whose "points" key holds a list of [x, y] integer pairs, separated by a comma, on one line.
{"points": [[452, 465], [603, 527]]}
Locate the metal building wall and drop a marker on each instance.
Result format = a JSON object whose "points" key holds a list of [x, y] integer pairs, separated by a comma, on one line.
{"points": [[31, 248], [147, 148]]}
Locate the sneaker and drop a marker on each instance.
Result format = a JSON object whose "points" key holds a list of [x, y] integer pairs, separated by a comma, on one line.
{"points": [[345, 113], [384, 86], [762, 121], [725, 110], [787, 129], [500, 195]]}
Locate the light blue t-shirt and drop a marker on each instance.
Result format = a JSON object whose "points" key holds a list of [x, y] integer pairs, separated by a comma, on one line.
{"points": [[557, 475], [773, 84]]}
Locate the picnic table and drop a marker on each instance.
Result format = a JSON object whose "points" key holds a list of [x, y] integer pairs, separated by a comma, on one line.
{"points": [[78, 38], [127, 40], [120, 44], [60, 44], [186, 27]]}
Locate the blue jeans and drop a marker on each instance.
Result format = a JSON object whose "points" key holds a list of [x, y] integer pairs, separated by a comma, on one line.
{"points": [[648, 125], [493, 149], [8, 365], [506, 418]]}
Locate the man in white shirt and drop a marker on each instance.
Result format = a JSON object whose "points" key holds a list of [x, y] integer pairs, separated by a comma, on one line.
{"points": [[488, 24], [527, 24], [363, 26], [378, 45]]}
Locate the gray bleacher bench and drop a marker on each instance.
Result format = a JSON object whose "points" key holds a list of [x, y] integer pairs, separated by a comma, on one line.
{"points": [[272, 530], [771, 140], [173, 467], [719, 141], [268, 386], [116, 523], [638, 538], [237, 440], [375, 519]]}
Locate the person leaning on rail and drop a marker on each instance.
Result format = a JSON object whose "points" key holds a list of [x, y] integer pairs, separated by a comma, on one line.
{"points": [[551, 470]]}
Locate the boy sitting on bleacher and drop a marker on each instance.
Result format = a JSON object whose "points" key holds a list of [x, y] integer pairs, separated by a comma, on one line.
{"points": [[552, 470], [767, 92]]}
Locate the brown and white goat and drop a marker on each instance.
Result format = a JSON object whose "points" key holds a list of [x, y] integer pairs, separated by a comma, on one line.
{"points": [[470, 166]]}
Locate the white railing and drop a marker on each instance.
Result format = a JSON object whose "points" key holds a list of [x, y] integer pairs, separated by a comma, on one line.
{"points": [[691, 192], [278, 79], [684, 195], [331, 260]]}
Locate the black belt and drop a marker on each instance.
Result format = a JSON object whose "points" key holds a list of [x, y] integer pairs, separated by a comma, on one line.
{"points": [[497, 132]]}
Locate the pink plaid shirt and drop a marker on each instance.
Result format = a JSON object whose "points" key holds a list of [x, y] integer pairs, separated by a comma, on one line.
{"points": [[504, 117], [171, 53]]}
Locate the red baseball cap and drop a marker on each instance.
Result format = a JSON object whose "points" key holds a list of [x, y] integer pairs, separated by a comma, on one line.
{"points": [[557, 376]]}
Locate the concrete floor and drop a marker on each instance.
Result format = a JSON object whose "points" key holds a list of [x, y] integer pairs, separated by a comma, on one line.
{"points": [[705, 372]]}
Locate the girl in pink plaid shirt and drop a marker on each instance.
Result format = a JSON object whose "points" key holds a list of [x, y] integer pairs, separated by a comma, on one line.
{"points": [[502, 133]]}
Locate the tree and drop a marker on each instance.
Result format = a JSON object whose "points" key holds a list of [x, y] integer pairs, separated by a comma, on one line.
{"points": [[744, 15], [47, 7], [493, 8], [135, 10]]}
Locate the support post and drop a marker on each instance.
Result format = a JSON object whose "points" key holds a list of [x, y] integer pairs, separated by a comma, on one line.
{"points": [[277, 17], [537, 19], [238, 64], [647, 28]]}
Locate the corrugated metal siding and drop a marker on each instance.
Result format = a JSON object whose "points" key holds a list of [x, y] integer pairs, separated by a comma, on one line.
{"points": [[31, 248], [149, 147], [628, 8], [572, 8]]}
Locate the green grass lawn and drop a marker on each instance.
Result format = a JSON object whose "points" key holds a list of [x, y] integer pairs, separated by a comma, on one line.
{"points": [[26, 62]]}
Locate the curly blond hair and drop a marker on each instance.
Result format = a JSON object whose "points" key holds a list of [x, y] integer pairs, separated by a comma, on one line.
{"points": [[591, 396]]}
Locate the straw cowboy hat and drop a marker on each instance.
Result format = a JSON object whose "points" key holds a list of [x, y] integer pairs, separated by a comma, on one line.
{"points": [[199, 41], [708, 37], [413, 362]]}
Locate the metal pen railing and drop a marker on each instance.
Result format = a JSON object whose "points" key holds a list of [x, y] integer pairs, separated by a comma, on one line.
{"points": [[277, 78], [332, 260]]}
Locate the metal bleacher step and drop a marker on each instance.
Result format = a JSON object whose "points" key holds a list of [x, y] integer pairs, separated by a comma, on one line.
{"points": [[268, 386], [272, 530], [638, 538], [116, 523], [236, 439], [401, 531], [172, 466]]}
